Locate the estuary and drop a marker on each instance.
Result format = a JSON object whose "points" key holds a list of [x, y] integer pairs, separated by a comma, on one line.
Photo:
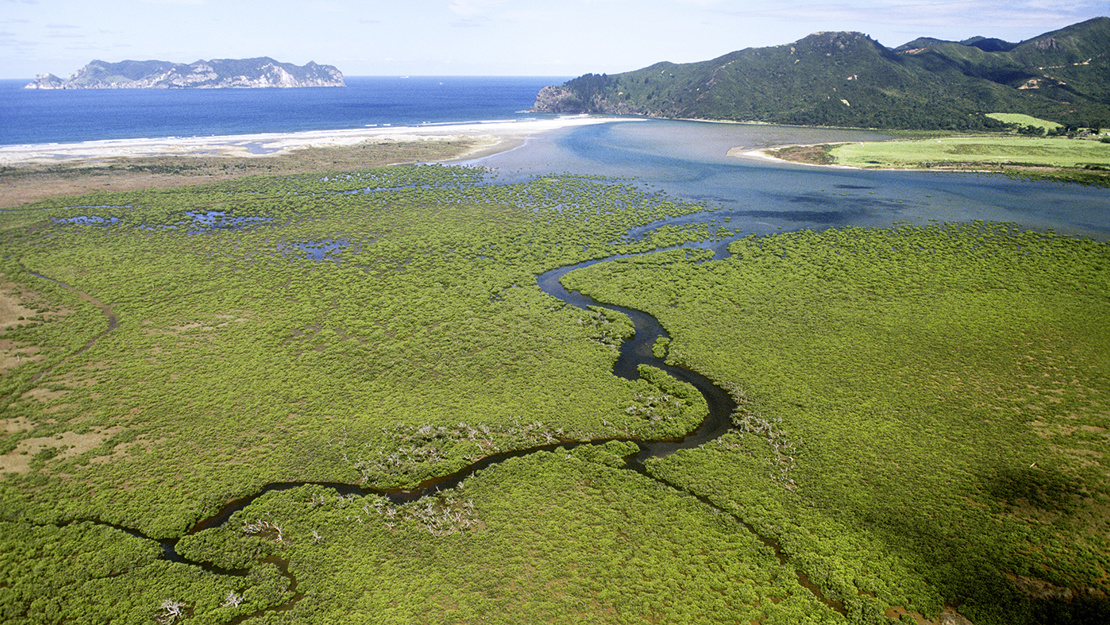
{"points": [[690, 160]]}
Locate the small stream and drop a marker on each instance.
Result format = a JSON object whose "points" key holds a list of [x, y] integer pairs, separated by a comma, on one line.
{"points": [[638, 351], [633, 352]]}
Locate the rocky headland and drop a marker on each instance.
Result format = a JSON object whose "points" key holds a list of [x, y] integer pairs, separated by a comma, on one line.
{"points": [[262, 72]]}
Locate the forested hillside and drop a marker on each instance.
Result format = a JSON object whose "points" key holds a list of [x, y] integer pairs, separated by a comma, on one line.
{"points": [[849, 79]]}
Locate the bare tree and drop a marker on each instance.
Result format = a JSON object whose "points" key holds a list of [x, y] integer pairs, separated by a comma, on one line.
{"points": [[171, 611], [232, 600]]}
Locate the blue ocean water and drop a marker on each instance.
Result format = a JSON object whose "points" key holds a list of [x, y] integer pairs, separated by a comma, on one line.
{"points": [[685, 159], [67, 116]]}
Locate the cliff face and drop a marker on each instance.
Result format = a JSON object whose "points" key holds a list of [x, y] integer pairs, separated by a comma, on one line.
{"points": [[256, 73], [559, 99]]}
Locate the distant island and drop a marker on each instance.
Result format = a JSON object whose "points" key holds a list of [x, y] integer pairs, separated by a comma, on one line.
{"points": [[849, 79], [257, 73]]}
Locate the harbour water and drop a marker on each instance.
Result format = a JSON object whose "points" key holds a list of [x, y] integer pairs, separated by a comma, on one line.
{"points": [[690, 160]]}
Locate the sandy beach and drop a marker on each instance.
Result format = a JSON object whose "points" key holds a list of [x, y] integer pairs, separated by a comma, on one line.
{"points": [[746, 152], [38, 171], [489, 137]]}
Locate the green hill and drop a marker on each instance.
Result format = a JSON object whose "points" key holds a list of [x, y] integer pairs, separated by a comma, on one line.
{"points": [[849, 79]]}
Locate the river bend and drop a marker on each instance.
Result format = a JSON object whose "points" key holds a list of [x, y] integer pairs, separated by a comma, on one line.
{"points": [[633, 352]]}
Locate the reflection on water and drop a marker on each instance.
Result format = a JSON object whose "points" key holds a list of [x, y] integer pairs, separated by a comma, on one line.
{"points": [[689, 160], [206, 221], [330, 249], [89, 220]]}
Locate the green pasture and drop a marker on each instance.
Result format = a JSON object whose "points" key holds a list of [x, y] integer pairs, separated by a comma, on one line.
{"points": [[991, 151], [1025, 120]]}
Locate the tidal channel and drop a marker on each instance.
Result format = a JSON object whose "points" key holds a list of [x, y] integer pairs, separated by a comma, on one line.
{"points": [[633, 352]]}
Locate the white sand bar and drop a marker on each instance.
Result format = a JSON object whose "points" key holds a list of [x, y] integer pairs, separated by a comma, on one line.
{"points": [[271, 144]]}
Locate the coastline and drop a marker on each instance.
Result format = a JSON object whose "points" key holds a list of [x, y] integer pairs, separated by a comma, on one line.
{"points": [[490, 138], [34, 172], [765, 154], [997, 155]]}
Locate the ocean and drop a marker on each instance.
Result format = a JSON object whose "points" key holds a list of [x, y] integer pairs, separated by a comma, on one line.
{"points": [[684, 159], [29, 116]]}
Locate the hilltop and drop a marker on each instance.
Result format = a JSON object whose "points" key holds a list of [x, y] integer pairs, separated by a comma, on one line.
{"points": [[849, 79], [259, 72]]}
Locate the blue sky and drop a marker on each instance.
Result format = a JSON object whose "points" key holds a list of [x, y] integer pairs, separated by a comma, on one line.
{"points": [[482, 37]]}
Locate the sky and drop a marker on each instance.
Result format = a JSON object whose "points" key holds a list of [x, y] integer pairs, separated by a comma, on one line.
{"points": [[483, 37]]}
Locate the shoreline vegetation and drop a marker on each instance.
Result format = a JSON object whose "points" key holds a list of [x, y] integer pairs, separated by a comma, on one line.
{"points": [[1084, 161], [35, 172], [920, 433]]}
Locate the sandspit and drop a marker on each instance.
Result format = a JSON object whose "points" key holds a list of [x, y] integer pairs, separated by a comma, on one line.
{"points": [[771, 154], [491, 137]]}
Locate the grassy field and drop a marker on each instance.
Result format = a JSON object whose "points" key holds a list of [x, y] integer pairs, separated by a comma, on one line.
{"points": [[1025, 120], [1084, 161], [922, 426], [991, 151]]}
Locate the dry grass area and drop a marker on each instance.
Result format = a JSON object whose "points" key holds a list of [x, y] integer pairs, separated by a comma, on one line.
{"points": [[44, 395], [68, 444], [13, 354], [18, 307], [29, 182], [16, 425], [12, 310]]}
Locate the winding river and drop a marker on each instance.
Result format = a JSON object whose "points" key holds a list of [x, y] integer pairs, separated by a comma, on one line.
{"points": [[633, 352], [758, 198]]}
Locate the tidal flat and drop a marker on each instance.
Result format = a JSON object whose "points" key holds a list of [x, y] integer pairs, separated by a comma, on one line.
{"points": [[920, 424]]}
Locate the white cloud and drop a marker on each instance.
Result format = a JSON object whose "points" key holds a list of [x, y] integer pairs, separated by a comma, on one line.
{"points": [[945, 13], [474, 8], [494, 36]]}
